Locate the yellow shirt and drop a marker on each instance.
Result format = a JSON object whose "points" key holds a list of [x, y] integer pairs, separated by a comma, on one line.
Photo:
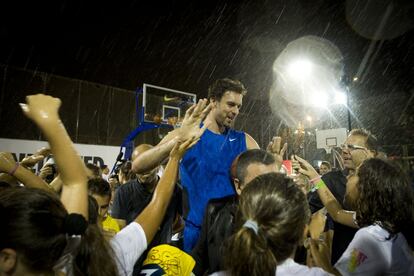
{"points": [[169, 260], [110, 224]]}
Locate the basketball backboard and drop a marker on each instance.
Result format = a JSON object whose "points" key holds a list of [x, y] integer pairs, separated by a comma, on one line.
{"points": [[330, 138], [165, 105]]}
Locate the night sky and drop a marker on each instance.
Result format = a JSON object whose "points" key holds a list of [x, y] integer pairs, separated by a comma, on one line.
{"points": [[186, 45]]}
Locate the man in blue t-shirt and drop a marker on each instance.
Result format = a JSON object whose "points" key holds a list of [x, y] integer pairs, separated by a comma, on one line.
{"points": [[204, 169]]}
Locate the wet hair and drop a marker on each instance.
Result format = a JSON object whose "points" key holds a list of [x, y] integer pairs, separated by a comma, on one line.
{"points": [[95, 169], [32, 224], [99, 187], [281, 211], [385, 196], [326, 163], [370, 140], [221, 86], [94, 251], [93, 210], [253, 156]]}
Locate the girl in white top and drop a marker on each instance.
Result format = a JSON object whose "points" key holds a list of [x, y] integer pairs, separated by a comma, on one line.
{"points": [[274, 214], [382, 197]]}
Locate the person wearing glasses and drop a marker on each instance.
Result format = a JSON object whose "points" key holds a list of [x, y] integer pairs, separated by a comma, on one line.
{"points": [[359, 146]]}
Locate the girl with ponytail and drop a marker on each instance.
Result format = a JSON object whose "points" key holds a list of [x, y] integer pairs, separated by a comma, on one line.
{"points": [[273, 217]]}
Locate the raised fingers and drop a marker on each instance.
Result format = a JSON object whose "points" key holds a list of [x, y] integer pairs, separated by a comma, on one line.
{"points": [[200, 107], [189, 111], [276, 144]]}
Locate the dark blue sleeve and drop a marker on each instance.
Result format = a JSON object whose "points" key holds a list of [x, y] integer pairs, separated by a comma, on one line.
{"points": [[119, 205]]}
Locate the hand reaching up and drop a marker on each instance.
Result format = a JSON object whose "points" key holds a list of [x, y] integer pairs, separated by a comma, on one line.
{"points": [[181, 147], [41, 108], [192, 120], [306, 168], [31, 161], [274, 147]]}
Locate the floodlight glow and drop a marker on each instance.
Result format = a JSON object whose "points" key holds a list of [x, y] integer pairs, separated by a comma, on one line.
{"points": [[319, 99], [308, 118], [301, 68], [340, 98]]}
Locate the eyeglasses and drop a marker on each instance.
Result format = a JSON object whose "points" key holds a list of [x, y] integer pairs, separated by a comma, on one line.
{"points": [[352, 147]]}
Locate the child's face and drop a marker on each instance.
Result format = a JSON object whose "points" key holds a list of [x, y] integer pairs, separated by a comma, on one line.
{"points": [[103, 204]]}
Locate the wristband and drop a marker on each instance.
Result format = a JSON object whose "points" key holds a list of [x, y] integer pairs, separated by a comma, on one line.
{"points": [[316, 186], [315, 180], [319, 185], [14, 169]]}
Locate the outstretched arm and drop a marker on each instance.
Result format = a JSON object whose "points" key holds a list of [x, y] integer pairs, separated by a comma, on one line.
{"points": [[152, 216], [334, 208], [43, 111], [189, 128], [25, 176]]}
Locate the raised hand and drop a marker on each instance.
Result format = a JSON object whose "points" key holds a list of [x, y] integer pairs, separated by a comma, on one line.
{"points": [[45, 152], [45, 172], [41, 108], [192, 120], [30, 161], [274, 147], [7, 162], [306, 168], [181, 147]]}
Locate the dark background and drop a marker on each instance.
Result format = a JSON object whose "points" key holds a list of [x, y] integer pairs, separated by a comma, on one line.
{"points": [[105, 51]]}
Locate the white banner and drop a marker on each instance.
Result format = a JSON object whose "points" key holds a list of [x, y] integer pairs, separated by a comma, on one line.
{"points": [[98, 155]]}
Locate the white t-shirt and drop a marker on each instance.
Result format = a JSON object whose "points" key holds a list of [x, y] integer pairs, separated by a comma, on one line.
{"points": [[371, 252], [290, 267], [128, 245]]}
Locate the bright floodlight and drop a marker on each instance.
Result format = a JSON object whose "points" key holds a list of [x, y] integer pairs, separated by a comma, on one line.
{"points": [[319, 99], [340, 98], [308, 118], [301, 68]]}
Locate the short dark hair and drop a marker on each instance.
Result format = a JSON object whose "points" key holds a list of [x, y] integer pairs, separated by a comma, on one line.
{"points": [[99, 186], [370, 140], [221, 86], [248, 157]]}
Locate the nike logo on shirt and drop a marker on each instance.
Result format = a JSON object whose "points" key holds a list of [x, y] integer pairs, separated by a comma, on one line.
{"points": [[231, 140]]}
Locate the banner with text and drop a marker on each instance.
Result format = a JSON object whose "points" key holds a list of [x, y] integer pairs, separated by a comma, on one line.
{"points": [[98, 155]]}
